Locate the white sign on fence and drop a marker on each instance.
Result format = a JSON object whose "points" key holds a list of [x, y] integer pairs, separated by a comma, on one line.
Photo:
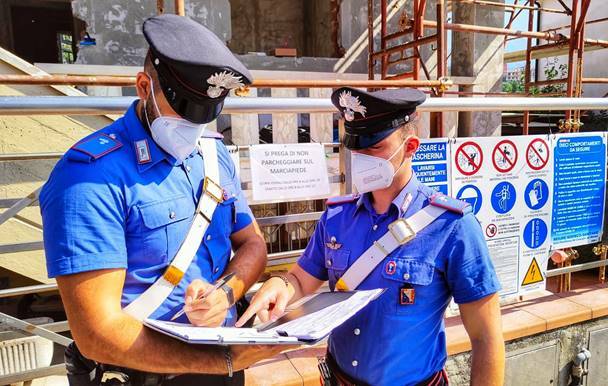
{"points": [[288, 172]]}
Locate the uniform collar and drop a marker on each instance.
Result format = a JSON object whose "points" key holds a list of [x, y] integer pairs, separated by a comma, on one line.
{"points": [[137, 132], [407, 193]]}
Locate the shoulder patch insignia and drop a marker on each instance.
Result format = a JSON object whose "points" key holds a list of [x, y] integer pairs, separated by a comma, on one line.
{"points": [[449, 203], [97, 146], [342, 199]]}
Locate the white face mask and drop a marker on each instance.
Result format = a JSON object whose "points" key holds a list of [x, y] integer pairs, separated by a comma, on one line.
{"points": [[176, 136], [373, 173]]}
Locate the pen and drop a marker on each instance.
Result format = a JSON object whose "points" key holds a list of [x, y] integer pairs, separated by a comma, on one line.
{"points": [[217, 285]]}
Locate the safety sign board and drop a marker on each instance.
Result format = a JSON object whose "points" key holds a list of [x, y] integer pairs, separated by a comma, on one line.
{"points": [[511, 200], [533, 274], [579, 189], [469, 158], [504, 156]]}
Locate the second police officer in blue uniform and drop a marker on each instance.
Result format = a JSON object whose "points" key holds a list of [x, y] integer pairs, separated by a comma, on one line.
{"points": [[141, 217], [362, 242]]}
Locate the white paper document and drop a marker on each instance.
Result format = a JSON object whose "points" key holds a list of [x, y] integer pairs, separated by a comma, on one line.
{"points": [[306, 321]]}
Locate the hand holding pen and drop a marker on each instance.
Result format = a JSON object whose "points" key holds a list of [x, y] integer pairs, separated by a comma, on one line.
{"points": [[205, 305]]}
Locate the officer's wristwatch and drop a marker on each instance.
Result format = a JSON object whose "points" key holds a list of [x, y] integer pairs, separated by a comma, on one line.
{"points": [[229, 294]]}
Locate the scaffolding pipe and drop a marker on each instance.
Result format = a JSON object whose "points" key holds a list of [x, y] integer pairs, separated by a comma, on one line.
{"points": [[179, 8], [510, 32], [401, 47], [595, 80], [511, 6], [260, 83], [370, 40], [573, 44], [568, 26], [77, 105]]}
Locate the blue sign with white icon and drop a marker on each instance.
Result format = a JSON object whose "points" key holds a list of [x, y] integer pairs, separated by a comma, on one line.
{"points": [[472, 195], [536, 194], [430, 163], [503, 197], [535, 233]]}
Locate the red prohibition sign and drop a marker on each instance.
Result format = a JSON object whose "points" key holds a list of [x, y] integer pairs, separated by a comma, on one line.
{"points": [[504, 156], [469, 162], [537, 154], [491, 230]]}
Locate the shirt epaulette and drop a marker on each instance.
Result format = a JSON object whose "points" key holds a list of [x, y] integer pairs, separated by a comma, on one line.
{"points": [[342, 199], [452, 204], [93, 148]]}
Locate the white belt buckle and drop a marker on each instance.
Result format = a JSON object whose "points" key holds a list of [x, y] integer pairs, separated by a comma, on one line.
{"points": [[402, 231]]}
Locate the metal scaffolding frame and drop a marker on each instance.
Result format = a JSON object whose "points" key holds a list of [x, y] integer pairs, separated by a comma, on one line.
{"points": [[412, 25]]}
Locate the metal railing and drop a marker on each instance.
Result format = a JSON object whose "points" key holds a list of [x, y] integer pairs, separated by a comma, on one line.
{"points": [[67, 105], [52, 105]]}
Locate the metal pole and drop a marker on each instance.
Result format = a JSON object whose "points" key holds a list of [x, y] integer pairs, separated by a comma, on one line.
{"points": [[261, 83], [33, 289], [70, 105], [33, 329], [383, 22], [402, 47], [509, 32], [527, 73], [179, 8], [580, 32], [595, 80], [571, 53], [511, 6], [160, 6], [70, 80], [23, 203], [441, 63], [370, 39]]}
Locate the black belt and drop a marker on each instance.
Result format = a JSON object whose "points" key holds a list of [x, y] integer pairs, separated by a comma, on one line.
{"points": [[85, 372], [340, 378]]}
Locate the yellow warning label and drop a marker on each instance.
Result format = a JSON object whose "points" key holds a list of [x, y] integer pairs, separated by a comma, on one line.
{"points": [[534, 275]]}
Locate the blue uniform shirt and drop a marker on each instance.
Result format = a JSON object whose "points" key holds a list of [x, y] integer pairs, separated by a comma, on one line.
{"points": [[389, 343], [123, 211]]}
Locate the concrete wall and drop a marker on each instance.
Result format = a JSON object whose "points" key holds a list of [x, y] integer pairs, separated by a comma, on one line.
{"points": [[594, 62], [117, 25], [480, 56], [546, 359], [246, 26]]}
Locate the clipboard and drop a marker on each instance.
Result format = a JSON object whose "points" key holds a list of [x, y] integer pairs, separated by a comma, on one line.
{"points": [[307, 321]]}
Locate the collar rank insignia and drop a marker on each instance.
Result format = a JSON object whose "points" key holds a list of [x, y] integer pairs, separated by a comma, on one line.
{"points": [[143, 152], [221, 81], [333, 244], [351, 105]]}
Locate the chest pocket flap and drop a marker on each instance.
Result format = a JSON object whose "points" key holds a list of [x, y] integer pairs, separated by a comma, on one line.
{"points": [[336, 259], [161, 213], [406, 270]]}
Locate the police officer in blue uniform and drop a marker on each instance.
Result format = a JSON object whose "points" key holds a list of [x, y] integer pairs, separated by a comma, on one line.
{"points": [[398, 234], [118, 208]]}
